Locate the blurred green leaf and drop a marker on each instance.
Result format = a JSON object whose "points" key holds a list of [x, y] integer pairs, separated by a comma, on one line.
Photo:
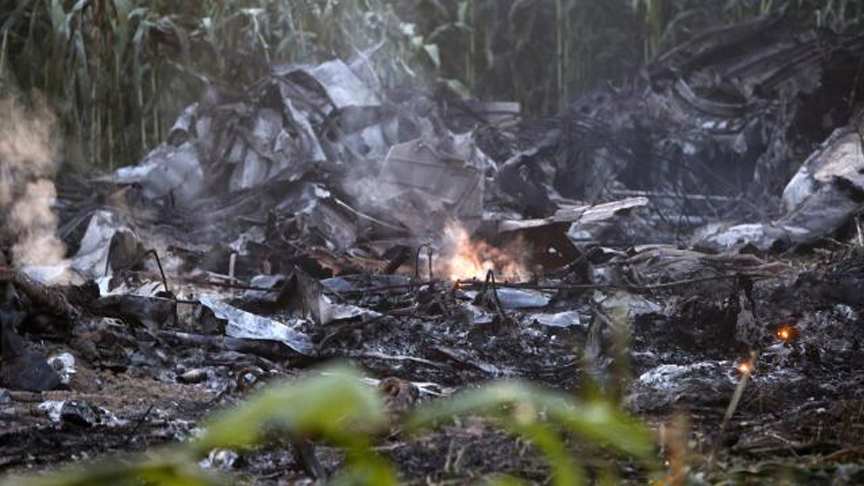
{"points": [[549, 443], [521, 406], [335, 405]]}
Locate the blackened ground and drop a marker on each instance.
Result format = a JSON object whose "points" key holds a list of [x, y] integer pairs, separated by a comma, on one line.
{"points": [[800, 417]]}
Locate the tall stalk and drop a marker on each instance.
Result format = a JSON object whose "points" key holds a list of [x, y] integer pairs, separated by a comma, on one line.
{"points": [[471, 51], [653, 26], [560, 49]]}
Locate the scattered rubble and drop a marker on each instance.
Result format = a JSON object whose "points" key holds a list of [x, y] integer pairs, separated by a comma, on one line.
{"points": [[316, 216]]}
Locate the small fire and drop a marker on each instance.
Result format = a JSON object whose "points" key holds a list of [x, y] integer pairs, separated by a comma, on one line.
{"points": [[787, 333], [745, 368], [465, 258]]}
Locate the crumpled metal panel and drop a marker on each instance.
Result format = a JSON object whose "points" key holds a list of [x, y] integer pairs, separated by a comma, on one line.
{"points": [[92, 255], [183, 126], [336, 227], [444, 180], [252, 172], [578, 214], [245, 325], [343, 87], [817, 201], [307, 144], [720, 238], [167, 170], [839, 158], [260, 142]]}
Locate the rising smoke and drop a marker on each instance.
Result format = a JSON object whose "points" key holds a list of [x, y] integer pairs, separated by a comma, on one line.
{"points": [[27, 162]]}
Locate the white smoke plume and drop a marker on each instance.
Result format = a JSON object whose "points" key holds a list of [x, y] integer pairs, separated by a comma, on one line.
{"points": [[27, 162]]}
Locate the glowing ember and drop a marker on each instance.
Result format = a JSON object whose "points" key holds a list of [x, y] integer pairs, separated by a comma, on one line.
{"points": [[466, 259], [787, 333], [745, 368]]}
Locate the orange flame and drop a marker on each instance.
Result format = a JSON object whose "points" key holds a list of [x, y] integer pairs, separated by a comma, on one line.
{"points": [[466, 259], [787, 333]]}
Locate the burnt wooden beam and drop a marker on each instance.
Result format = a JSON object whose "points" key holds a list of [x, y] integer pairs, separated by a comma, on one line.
{"points": [[46, 299]]}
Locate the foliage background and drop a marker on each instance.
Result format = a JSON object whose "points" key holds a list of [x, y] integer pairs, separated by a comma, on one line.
{"points": [[119, 71]]}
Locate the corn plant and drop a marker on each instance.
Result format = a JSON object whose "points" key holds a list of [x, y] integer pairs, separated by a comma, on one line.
{"points": [[541, 416], [96, 64], [117, 72]]}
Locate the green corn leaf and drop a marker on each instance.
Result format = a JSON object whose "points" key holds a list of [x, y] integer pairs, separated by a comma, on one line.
{"points": [[83, 74], [336, 405], [58, 15], [547, 440], [122, 27], [599, 421], [596, 421], [17, 15], [168, 25]]}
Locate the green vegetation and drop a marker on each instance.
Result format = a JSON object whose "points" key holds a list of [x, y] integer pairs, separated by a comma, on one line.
{"points": [[334, 406], [117, 72]]}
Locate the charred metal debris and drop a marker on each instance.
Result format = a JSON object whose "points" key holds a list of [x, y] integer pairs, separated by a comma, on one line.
{"points": [[646, 240]]}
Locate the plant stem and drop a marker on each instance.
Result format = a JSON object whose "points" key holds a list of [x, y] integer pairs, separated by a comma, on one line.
{"points": [[559, 49]]}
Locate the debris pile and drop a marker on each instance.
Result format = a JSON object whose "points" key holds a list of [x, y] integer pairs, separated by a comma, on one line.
{"points": [[439, 243], [711, 133]]}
